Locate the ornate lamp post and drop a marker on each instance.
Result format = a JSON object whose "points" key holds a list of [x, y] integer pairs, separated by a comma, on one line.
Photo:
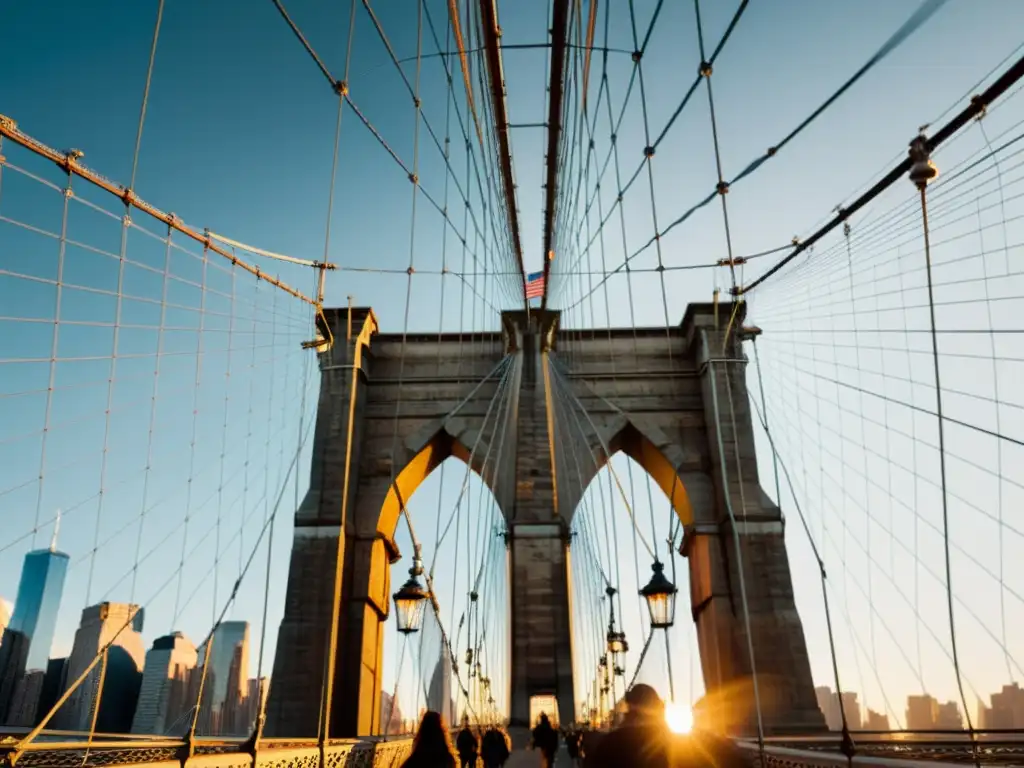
{"points": [[411, 600], [617, 645], [660, 594]]}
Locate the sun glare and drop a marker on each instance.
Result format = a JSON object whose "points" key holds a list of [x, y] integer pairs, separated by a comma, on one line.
{"points": [[679, 717]]}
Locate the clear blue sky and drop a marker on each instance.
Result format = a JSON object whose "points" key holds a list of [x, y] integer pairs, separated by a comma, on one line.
{"points": [[239, 138]]}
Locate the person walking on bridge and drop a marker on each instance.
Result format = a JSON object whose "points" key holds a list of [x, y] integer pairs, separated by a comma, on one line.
{"points": [[574, 745], [466, 745], [431, 748], [545, 739], [494, 749], [642, 739]]}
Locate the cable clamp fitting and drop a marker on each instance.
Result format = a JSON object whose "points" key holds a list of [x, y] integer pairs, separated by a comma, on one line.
{"points": [[704, 70], [979, 104], [734, 262], [722, 187], [748, 333], [71, 158], [922, 169], [341, 88]]}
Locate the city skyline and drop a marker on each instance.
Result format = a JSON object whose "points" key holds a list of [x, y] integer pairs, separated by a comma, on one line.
{"points": [[923, 712], [139, 691]]}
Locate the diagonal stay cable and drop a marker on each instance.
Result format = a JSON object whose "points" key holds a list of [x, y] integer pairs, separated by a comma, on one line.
{"points": [[564, 384], [977, 106], [23, 743], [305, 43], [506, 369], [921, 15]]}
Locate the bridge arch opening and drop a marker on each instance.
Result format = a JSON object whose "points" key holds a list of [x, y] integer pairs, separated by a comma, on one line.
{"points": [[634, 506], [437, 450], [645, 508], [631, 443], [457, 663]]}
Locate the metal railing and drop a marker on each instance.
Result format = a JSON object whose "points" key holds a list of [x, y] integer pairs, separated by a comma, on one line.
{"points": [[115, 750], [889, 750], [61, 750]]}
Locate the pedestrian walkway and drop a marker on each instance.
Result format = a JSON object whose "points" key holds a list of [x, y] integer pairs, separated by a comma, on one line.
{"points": [[528, 758], [523, 758]]}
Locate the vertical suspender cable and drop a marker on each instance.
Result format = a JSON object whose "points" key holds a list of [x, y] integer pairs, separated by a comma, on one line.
{"points": [[922, 171]]}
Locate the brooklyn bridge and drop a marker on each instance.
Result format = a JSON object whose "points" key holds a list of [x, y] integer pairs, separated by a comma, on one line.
{"points": [[552, 348]]}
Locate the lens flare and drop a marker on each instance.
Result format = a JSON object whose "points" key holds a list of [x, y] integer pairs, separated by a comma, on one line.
{"points": [[679, 717]]}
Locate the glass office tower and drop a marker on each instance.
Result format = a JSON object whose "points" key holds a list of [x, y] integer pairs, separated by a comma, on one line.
{"points": [[227, 681], [27, 640]]}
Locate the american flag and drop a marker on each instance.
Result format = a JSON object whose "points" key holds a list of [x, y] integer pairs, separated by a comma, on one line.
{"points": [[535, 285]]}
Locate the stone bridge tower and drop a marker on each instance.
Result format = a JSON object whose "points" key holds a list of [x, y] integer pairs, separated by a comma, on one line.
{"points": [[393, 407]]}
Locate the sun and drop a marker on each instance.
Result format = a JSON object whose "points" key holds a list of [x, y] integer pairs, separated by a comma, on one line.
{"points": [[679, 717]]}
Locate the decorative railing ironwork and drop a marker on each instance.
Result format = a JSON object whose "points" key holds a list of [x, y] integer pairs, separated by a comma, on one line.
{"points": [[171, 753], [887, 752]]}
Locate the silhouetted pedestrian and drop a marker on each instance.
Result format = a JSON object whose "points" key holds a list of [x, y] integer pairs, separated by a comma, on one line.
{"points": [[465, 744], [642, 739], [574, 745], [545, 739], [494, 749], [431, 748]]}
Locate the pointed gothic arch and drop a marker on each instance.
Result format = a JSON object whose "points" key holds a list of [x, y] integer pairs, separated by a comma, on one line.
{"points": [[423, 488], [432, 446]]}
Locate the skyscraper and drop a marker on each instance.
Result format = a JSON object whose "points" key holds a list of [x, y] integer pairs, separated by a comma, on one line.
{"points": [[102, 624], [27, 639], [1007, 710], [922, 712], [226, 660], [833, 708], [25, 701], [948, 717], [167, 668], [439, 694], [53, 686], [876, 721]]}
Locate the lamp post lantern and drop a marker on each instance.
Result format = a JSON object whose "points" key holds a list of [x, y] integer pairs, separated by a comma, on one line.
{"points": [[411, 600], [660, 594]]}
